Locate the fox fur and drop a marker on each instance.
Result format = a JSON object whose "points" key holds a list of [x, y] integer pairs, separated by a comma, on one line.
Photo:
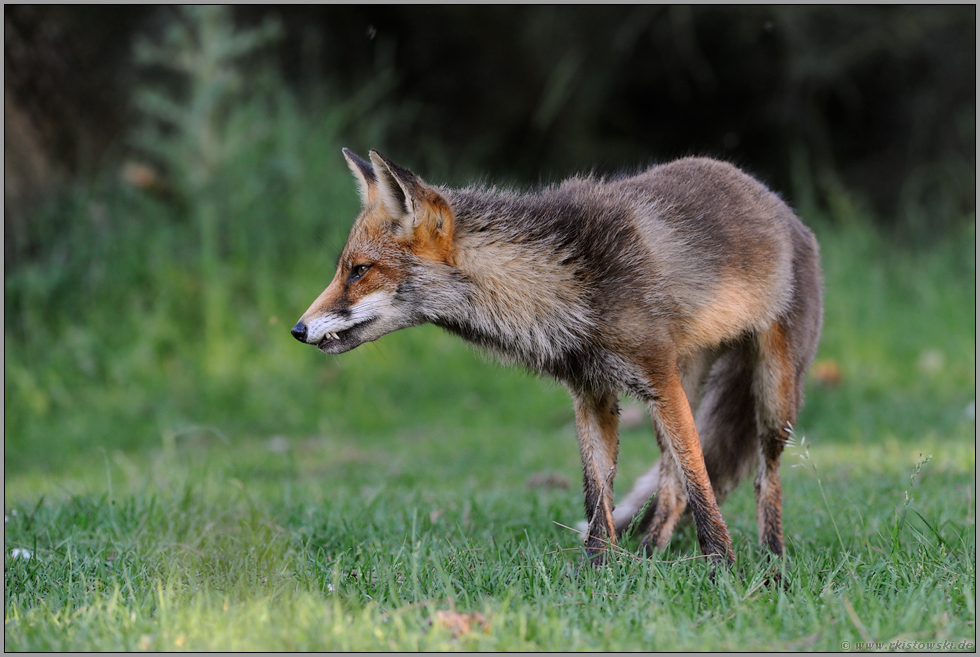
{"points": [[689, 286]]}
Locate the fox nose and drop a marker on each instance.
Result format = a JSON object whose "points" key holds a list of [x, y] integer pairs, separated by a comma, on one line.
{"points": [[299, 331]]}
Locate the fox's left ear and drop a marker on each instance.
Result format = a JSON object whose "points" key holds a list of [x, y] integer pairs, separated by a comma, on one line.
{"points": [[420, 212], [367, 182]]}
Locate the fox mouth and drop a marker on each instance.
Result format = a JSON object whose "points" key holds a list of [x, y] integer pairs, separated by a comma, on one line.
{"points": [[337, 342]]}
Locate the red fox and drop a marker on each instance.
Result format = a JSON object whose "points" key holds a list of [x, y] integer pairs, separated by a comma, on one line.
{"points": [[689, 286]]}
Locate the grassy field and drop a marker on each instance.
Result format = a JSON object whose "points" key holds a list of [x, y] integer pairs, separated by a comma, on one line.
{"points": [[411, 495]]}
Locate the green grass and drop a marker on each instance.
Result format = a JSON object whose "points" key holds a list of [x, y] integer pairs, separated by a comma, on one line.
{"points": [[272, 498], [247, 547]]}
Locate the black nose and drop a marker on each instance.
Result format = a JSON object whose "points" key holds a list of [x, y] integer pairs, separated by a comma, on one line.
{"points": [[299, 331]]}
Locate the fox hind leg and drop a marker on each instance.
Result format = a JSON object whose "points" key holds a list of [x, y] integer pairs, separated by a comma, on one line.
{"points": [[641, 495], [777, 388], [666, 508]]}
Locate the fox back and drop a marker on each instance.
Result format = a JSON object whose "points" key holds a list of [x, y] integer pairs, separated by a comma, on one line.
{"points": [[690, 286]]}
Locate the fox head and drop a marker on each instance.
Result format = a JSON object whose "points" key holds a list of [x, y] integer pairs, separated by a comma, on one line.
{"points": [[397, 258]]}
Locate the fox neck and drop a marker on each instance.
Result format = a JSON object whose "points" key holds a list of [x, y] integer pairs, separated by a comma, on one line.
{"points": [[510, 293]]}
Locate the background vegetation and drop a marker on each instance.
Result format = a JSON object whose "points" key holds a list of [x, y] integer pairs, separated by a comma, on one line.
{"points": [[180, 474]]}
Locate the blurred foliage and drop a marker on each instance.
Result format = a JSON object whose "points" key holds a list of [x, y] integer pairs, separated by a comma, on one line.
{"points": [[881, 98], [200, 134], [876, 102]]}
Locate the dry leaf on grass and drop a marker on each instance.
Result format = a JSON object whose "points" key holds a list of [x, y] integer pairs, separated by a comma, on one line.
{"points": [[827, 373], [457, 623]]}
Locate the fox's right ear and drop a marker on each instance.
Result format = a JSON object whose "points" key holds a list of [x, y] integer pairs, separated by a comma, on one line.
{"points": [[367, 181]]}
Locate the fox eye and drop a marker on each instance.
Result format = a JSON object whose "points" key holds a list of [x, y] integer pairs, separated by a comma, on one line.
{"points": [[357, 271]]}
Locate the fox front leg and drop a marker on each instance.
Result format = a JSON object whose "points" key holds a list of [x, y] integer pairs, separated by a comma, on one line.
{"points": [[596, 422]]}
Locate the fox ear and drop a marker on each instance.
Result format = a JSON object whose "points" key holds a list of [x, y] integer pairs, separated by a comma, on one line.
{"points": [[363, 172], [421, 214], [397, 186]]}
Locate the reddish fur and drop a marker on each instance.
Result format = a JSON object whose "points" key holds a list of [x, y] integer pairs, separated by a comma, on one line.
{"points": [[432, 236], [775, 351], [681, 443]]}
